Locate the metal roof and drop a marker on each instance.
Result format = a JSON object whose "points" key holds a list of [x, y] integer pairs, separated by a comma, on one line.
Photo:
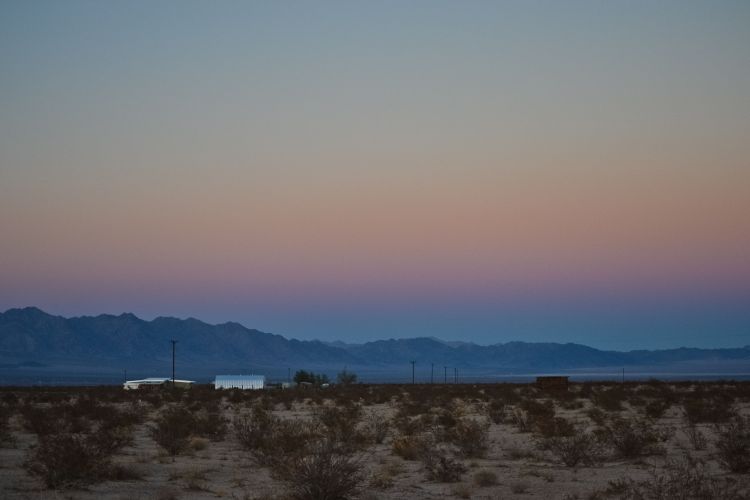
{"points": [[224, 378]]}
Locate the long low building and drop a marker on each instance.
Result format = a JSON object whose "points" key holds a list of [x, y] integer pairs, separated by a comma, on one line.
{"points": [[239, 382], [151, 381]]}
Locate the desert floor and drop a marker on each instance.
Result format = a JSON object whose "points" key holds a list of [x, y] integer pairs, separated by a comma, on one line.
{"points": [[656, 440]]}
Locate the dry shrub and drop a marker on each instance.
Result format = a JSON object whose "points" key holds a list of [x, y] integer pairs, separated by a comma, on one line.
{"points": [[708, 408], [211, 425], [376, 427], [580, 448], [733, 445], [198, 443], [609, 400], [471, 437], [521, 420], [655, 409], [270, 439], [696, 438], [462, 490], [597, 416], [519, 487], [340, 425], [631, 438], [686, 479], [6, 436], [64, 460], [440, 466], [173, 429], [485, 478], [555, 427], [496, 411], [410, 447], [324, 472]]}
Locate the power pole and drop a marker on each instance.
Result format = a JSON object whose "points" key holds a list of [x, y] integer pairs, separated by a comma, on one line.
{"points": [[455, 375], [173, 344], [445, 374], [432, 373], [412, 370]]}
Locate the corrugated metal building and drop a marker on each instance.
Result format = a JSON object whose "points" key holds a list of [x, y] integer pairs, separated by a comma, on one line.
{"points": [[239, 382]]}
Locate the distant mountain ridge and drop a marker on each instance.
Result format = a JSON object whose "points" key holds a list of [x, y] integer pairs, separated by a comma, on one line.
{"points": [[31, 335]]}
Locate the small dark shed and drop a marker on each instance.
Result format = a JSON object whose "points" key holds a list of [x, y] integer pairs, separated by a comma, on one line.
{"points": [[552, 382]]}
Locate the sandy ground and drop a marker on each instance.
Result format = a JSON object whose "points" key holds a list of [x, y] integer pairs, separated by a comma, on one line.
{"points": [[225, 470]]}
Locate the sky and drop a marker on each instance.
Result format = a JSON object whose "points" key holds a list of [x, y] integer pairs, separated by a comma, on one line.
{"points": [[540, 171]]}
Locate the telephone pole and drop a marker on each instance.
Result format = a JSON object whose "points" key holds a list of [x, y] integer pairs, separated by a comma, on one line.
{"points": [[412, 370], [455, 375], [445, 374], [432, 373], [173, 344]]}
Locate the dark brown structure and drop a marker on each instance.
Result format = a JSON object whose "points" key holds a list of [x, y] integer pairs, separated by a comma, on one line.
{"points": [[552, 383]]}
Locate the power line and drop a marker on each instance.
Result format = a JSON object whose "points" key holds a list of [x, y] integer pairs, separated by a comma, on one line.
{"points": [[174, 342]]}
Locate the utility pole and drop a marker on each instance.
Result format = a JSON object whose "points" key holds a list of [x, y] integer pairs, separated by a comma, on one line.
{"points": [[455, 375], [432, 373], [445, 374], [623, 374], [173, 344], [289, 375], [412, 370]]}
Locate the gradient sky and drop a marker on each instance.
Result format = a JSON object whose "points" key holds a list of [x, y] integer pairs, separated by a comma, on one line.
{"points": [[479, 171]]}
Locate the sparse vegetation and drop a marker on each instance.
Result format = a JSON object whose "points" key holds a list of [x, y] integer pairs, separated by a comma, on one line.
{"points": [[306, 442]]}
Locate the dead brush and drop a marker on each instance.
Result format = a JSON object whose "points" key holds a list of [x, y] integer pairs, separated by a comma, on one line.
{"points": [[269, 439], [173, 429], [340, 425], [631, 438], [376, 427], [470, 436], [410, 447], [703, 407], [323, 472], [695, 437], [684, 479], [733, 445], [440, 465], [580, 448], [63, 460]]}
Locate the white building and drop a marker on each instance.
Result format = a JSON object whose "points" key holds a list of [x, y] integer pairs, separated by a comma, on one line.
{"points": [[239, 382], [137, 384]]}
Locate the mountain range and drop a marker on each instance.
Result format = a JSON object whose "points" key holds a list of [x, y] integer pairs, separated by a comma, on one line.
{"points": [[31, 338]]}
